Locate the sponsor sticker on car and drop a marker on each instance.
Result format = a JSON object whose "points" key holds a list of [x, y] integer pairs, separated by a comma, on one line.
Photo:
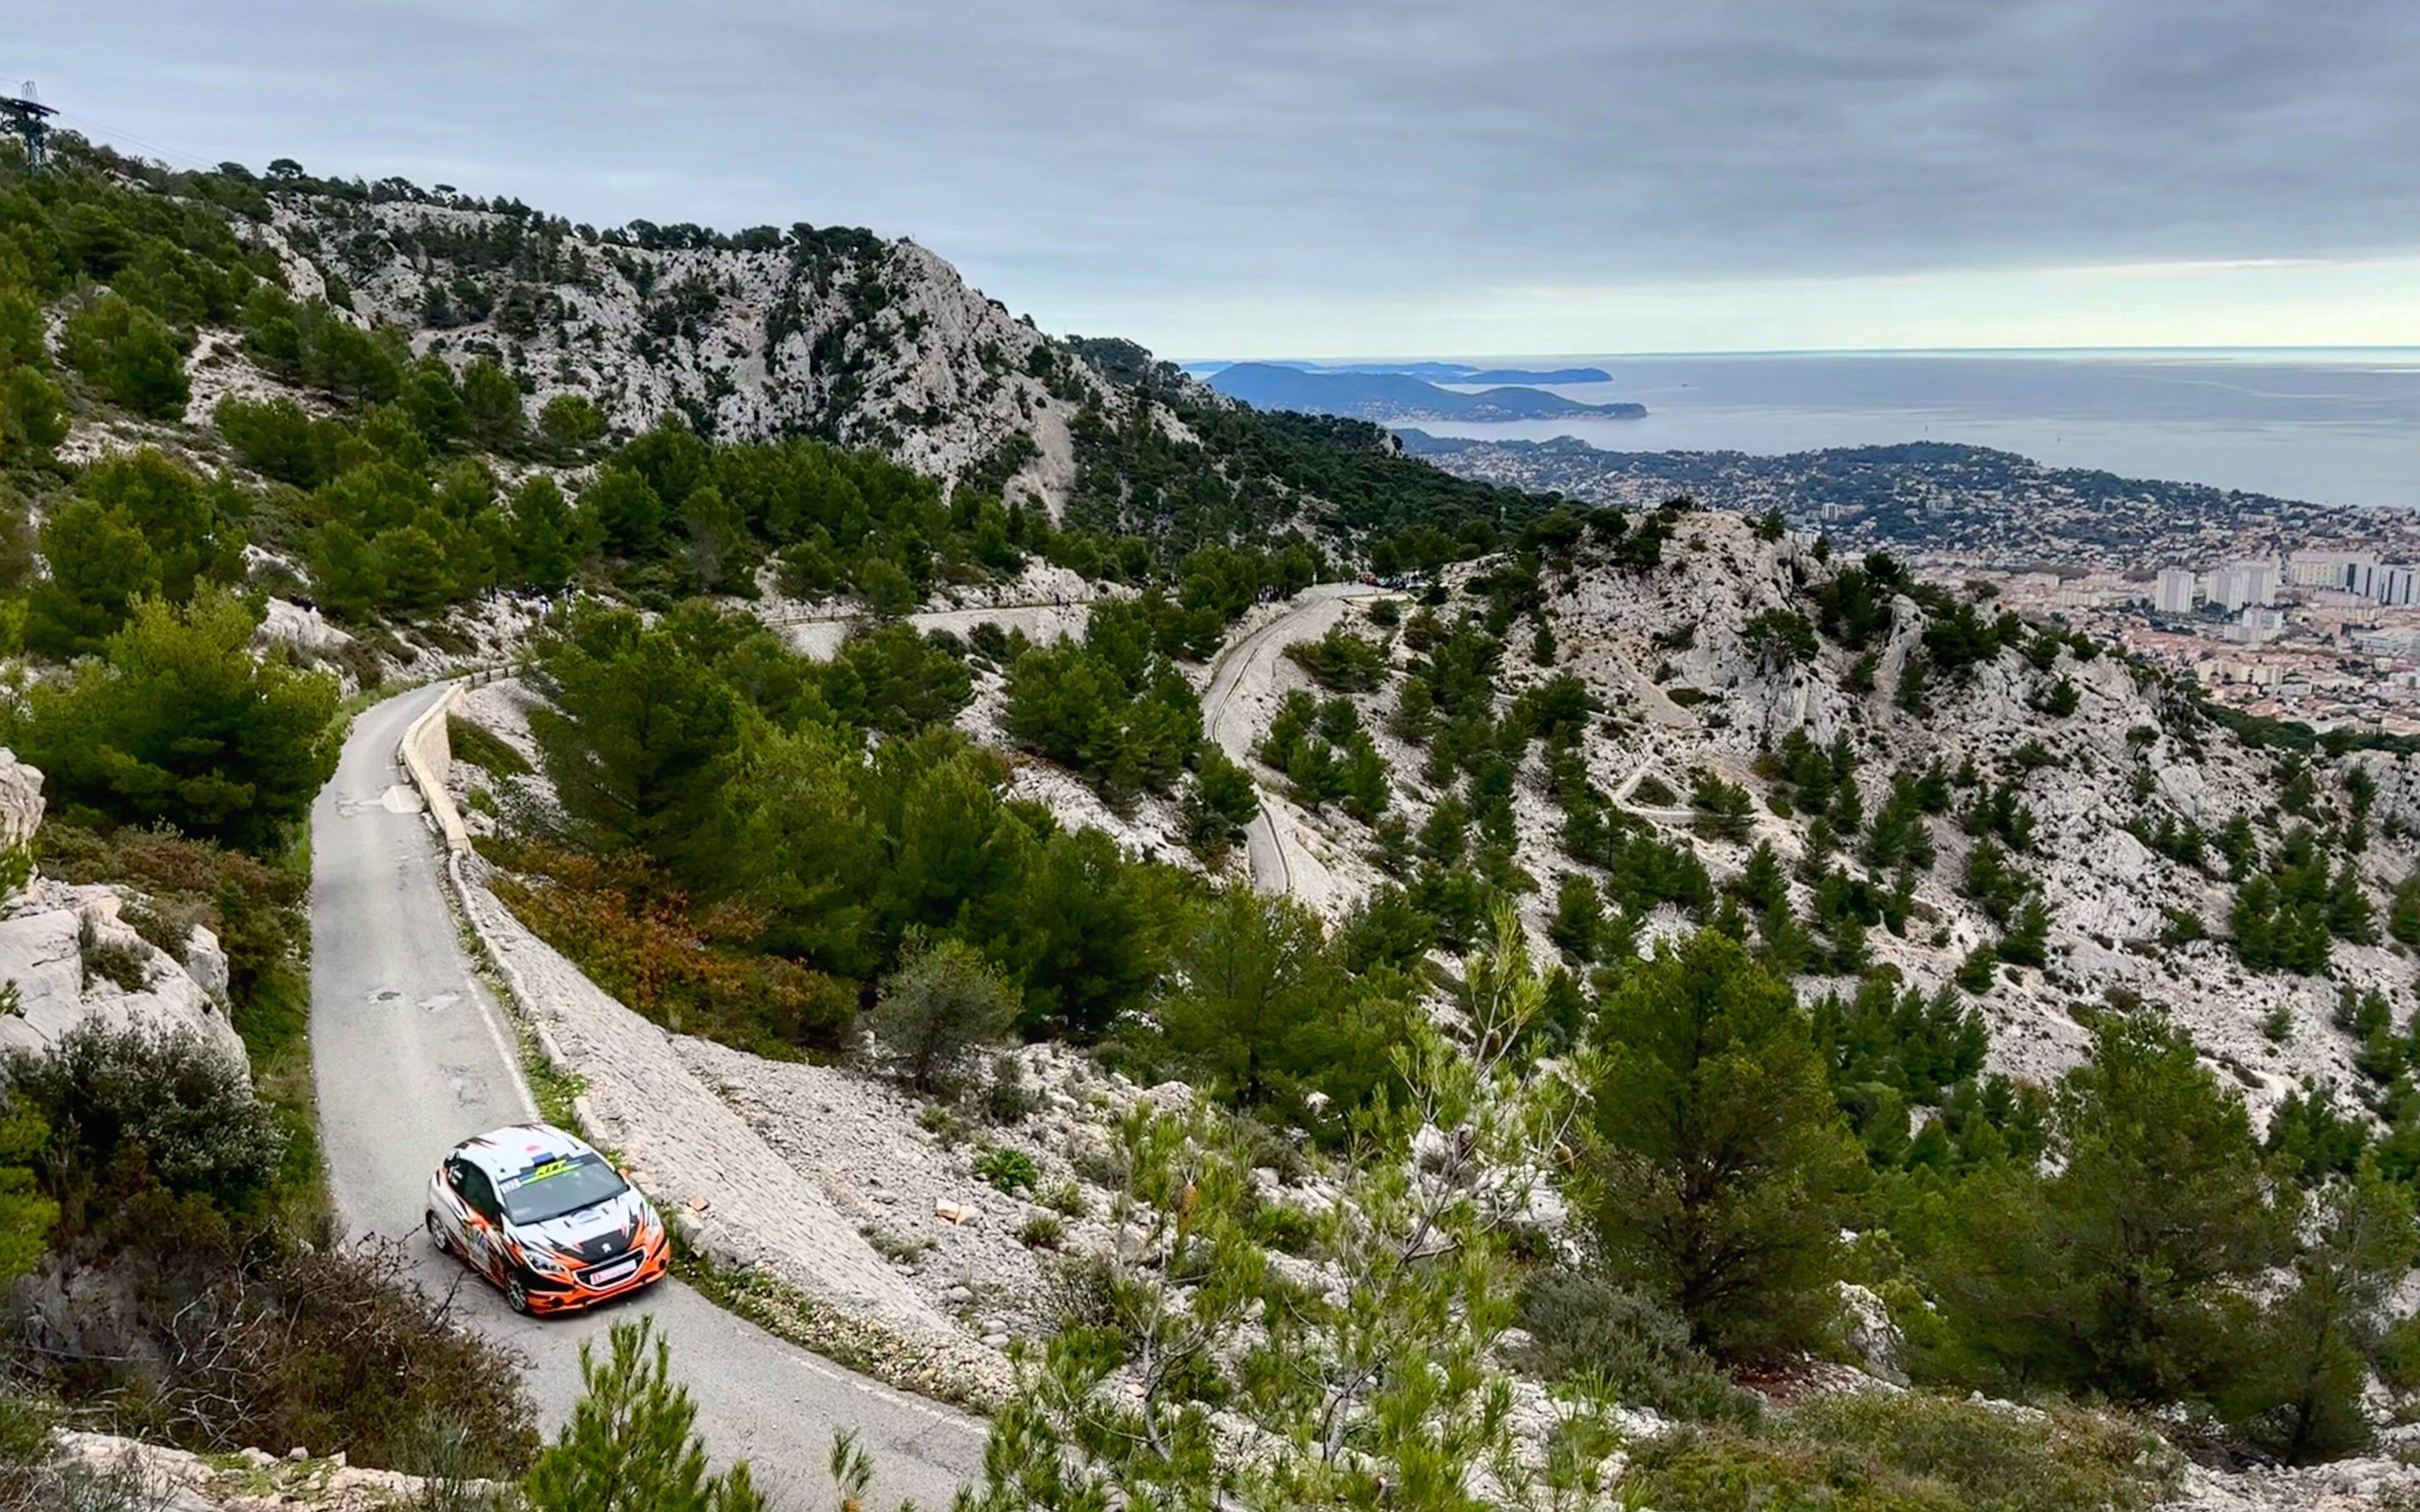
{"points": [[538, 1172], [612, 1274]]}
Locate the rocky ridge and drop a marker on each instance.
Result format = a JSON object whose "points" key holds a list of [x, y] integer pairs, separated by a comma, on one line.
{"points": [[1636, 638], [835, 333]]}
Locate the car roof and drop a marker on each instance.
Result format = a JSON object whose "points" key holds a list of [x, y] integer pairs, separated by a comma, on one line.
{"points": [[510, 1151]]}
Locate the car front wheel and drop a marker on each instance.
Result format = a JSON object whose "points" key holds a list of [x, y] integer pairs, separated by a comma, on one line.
{"points": [[436, 1234], [517, 1295]]}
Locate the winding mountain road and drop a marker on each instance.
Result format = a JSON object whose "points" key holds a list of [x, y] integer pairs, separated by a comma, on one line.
{"points": [[1242, 680], [411, 1055]]}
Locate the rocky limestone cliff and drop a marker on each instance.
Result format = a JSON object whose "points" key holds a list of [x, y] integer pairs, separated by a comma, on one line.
{"points": [[836, 332]]}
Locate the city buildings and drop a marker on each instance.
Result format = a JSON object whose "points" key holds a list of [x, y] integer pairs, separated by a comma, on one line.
{"points": [[2173, 593]]}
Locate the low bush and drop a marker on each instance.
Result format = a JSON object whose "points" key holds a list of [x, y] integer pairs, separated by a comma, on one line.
{"points": [[1066, 1198], [113, 961], [1007, 1170], [1010, 1099], [1909, 1452], [136, 1108], [688, 969], [1340, 661], [251, 905], [179, 1297], [1623, 1343], [477, 745], [328, 1347]]}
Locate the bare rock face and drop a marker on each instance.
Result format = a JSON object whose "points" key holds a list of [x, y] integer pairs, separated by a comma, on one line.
{"points": [[872, 342], [206, 962], [70, 957], [20, 800], [1872, 1334]]}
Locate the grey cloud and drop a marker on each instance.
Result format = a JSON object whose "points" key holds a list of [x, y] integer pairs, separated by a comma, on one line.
{"points": [[1068, 149]]}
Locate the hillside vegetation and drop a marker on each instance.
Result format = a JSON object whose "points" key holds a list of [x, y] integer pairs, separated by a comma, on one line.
{"points": [[1740, 979]]}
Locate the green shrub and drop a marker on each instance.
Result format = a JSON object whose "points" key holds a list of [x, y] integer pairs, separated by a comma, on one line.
{"points": [[477, 745], [164, 1102], [1653, 792], [943, 1004], [1008, 1170], [1909, 1452], [1623, 1343], [1043, 1230], [113, 961], [1066, 1198], [1283, 1227], [1009, 1099]]}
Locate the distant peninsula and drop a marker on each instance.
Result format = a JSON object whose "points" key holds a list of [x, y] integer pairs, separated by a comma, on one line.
{"points": [[1435, 372], [1399, 397]]}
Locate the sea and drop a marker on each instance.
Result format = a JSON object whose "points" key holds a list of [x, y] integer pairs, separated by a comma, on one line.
{"points": [[2337, 425]]}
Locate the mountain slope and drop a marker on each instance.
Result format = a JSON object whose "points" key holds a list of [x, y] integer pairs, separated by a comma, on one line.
{"points": [[2109, 765], [834, 332]]}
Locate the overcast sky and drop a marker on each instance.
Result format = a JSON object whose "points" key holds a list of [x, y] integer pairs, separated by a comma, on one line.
{"points": [[1339, 177]]}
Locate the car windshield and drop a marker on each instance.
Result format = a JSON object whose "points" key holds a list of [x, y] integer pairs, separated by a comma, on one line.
{"points": [[555, 1187]]}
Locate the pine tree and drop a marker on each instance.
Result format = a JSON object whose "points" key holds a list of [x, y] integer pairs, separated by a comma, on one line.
{"points": [[491, 406], [943, 1004], [1580, 915], [2403, 916], [626, 512], [100, 566], [545, 535], [2301, 1393], [1761, 883], [1719, 1169], [2348, 912], [631, 1445], [1254, 973], [2027, 941], [2130, 1267]]}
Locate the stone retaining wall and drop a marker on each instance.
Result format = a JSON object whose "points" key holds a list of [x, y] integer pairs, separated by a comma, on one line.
{"points": [[427, 753]]}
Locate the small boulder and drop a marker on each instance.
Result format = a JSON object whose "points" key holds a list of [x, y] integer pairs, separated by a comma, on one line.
{"points": [[206, 962], [1871, 1334]]}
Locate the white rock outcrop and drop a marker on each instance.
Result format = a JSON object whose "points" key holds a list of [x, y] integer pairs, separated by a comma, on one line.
{"points": [[59, 946], [20, 800]]}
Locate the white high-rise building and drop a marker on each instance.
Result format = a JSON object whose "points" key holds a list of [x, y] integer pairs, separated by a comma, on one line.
{"points": [[2258, 623], [2173, 593], [2326, 569], [2243, 582], [2396, 586]]}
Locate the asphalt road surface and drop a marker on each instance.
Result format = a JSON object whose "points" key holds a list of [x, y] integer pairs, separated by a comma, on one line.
{"points": [[411, 1055], [1278, 861]]}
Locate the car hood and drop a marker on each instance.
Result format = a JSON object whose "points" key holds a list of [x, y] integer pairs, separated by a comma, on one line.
{"points": [[594, 1232]]}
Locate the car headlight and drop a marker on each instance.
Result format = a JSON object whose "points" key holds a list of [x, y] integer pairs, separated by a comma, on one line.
{"points": [[538, 1259]]}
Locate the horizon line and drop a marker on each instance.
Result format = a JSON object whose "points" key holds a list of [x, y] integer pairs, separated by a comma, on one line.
{"points": [[1503, 359]]}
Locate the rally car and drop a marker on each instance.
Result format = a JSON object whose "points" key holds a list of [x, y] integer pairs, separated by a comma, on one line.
{"points": [[546, 1218]]}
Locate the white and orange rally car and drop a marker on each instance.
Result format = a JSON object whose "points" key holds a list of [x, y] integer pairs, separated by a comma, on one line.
{"points": [[546, 1218]]}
